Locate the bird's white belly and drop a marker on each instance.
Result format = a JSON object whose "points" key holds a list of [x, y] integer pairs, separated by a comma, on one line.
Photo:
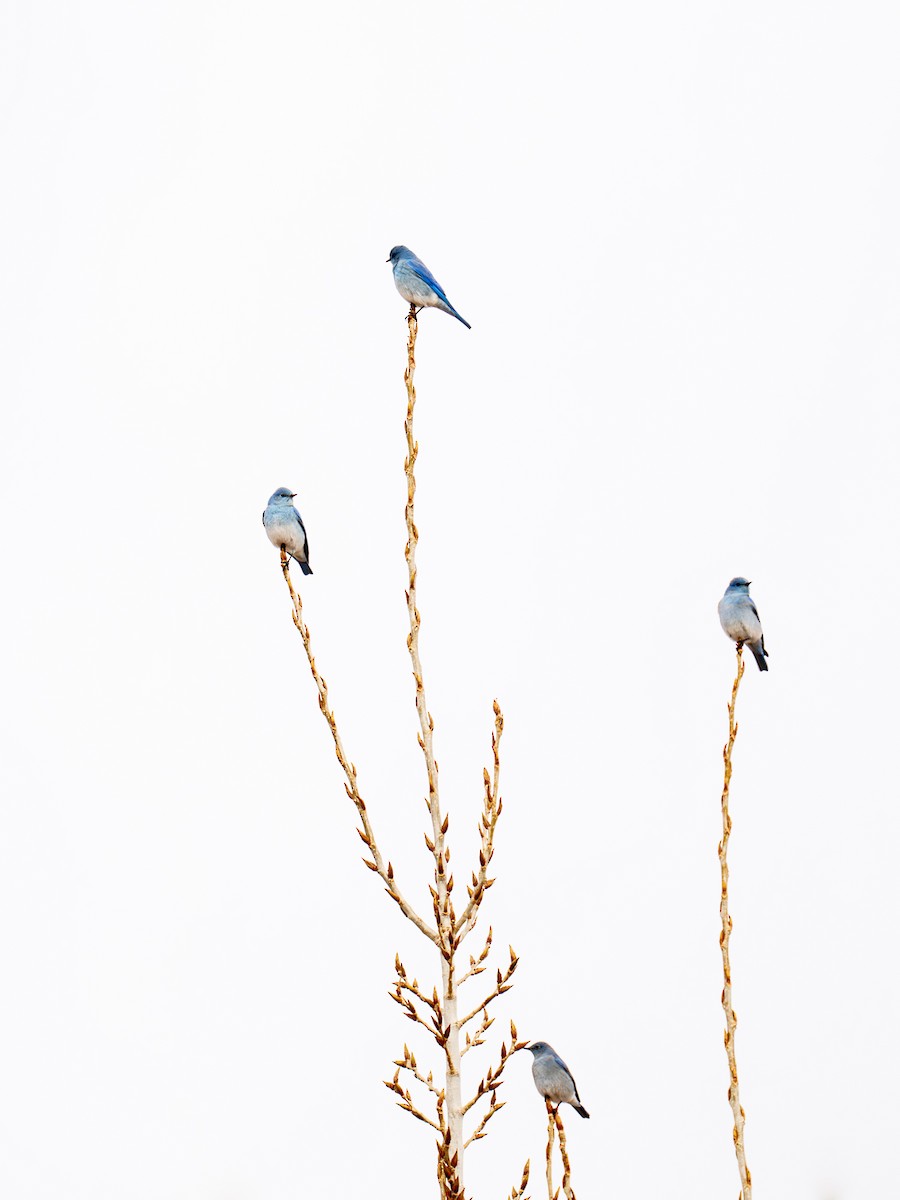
{"points": [[553, 1083], [414, 290], [284, 533], [740, 623]]}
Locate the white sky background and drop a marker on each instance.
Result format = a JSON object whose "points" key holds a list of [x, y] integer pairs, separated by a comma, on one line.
{"points": [[674, 229]]}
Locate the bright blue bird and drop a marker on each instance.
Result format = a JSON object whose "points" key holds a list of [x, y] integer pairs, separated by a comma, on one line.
{"points": [[417, 285]]}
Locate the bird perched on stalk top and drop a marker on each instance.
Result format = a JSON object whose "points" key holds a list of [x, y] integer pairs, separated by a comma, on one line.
{"points": [[285, 528], [417, 285], [553, 1079], [740, 620]]}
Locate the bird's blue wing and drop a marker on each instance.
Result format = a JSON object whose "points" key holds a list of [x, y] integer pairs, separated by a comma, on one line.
{"points": [[419, 269], [559, 1062], [753, 608], [299, 520]]}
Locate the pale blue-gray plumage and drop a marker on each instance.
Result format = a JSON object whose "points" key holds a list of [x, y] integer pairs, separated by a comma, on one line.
{"points": [[553, 1079], [416, 284], [286, 529], [740, 620]]}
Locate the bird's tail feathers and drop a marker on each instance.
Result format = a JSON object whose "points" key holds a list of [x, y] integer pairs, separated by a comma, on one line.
{"points": [[760, 653], [306, 568], [581, 1110], [453, 313]]}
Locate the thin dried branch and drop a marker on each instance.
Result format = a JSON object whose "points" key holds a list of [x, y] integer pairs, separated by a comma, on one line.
{"points": [[502, 985], [477, 1038], [518, 1192], [476, 965], [408, 1063], [734, 1098], [567, 1170], [551, 1135], [493, 806], [410, 1010], [406, 1101], [435, 1025], [367, 833], [478, 1132], [492, 1080], [402, 983]]}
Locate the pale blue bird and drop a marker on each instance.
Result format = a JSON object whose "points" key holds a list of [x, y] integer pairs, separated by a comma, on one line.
{"points": [[285, 528], [553, 1079], [417, 285], [740, 620]]}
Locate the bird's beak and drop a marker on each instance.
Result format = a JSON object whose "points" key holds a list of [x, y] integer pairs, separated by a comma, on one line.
{"points": [[387, 259], [293, 495]]}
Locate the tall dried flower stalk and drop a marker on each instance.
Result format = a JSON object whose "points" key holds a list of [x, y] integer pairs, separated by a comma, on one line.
{"points": [[439, 1013], [734, 1098]]}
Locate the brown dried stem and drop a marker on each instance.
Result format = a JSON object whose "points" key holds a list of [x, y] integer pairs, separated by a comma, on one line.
{"points": [[367, 833], [551, 1134], [408, 1063], [502, 986], [492, 1079], [406, 1102], [477, 1038], [476, 965], [734, 1098], [493, 806], [563, 1153], [518, 1192], [434, 1027]]}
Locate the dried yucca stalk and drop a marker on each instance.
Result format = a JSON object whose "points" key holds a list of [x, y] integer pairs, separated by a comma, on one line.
{"points": [[438, 1103], [734, 1098]]}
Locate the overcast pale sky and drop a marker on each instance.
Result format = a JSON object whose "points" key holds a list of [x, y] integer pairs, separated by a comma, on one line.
{"points": [[674, 230]]}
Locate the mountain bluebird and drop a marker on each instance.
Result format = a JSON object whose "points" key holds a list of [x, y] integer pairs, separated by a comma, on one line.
{"points": [[740, 620], [416, 284], [285, 528], [553, 1079]]}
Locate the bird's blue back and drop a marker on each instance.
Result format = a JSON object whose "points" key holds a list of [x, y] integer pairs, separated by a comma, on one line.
{"points": [[415, 264], [559, 1062]]}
